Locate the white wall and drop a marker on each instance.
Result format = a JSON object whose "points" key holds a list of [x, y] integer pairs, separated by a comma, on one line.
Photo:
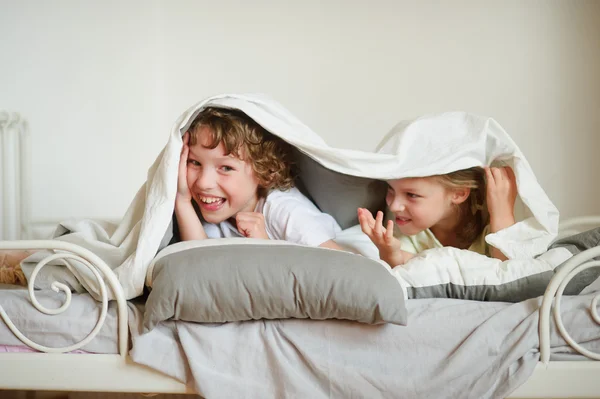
{"points": [[102, 82]]}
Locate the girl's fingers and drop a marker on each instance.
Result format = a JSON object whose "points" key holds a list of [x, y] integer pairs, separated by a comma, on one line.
{"points": [[497, 172], [389, 231], [369, 218], [379, 223], [510, 175], [510, 172], [489, 177], [364, 224], [513, 178], [360, 213], [504, 173]]}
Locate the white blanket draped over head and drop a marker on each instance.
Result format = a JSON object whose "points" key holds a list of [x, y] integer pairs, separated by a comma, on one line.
{"points": [[427, 146]]}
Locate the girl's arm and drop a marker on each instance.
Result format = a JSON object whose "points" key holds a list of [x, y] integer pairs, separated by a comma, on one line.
{"points": [[190, 226], [501, 197]]}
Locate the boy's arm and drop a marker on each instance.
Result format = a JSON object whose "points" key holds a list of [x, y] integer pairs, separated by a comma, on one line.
{"points": [[190, 227], [331, 244]]}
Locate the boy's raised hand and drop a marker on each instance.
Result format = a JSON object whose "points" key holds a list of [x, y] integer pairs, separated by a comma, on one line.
{"points": [[251, 224], [501, 196], [183, 190], [389, 247]]}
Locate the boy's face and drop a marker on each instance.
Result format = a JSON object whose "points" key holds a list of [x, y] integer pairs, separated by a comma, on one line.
{"points": [[222, 185]]}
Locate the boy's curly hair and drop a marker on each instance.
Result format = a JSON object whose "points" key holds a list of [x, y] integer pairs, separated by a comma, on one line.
{"points": [[271, 157]]}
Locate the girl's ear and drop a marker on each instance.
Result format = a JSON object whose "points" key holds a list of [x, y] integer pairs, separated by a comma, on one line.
{"points": [[460, 195]]}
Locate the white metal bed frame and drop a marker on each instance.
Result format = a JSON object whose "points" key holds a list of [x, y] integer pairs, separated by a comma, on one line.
{"points": [[55, 371]]}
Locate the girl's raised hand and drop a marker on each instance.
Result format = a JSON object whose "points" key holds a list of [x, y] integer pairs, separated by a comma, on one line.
{"points": [[383, 237], [501, 196], [374, 227]]}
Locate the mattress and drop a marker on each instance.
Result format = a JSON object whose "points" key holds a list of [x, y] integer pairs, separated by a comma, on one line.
{"points": [[61, 330]]}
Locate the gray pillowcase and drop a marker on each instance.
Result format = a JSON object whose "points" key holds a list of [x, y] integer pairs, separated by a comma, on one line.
{"points": [[238, 282], [515, 291]]}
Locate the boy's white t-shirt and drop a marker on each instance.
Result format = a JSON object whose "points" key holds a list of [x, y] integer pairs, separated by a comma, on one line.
{"points": [[289, 216]]}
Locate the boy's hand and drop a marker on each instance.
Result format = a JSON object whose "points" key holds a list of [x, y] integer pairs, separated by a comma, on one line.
{"points": [[501, 196], [183, 190], [383, 237], [251, 224]]}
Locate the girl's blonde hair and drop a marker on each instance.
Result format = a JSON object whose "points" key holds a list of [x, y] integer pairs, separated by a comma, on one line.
{"points": [[473, 212], [271, 157]]}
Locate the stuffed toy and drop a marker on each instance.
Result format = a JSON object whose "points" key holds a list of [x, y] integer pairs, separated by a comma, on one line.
{"points": [[10, 267]]}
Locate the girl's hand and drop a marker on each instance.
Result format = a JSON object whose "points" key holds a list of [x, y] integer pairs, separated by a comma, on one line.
{"points": [[183, 190], [251, 224], [383, 237], [501, 197]]}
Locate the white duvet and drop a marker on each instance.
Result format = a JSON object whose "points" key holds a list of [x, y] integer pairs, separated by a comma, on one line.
{"points": [[429, 145]]}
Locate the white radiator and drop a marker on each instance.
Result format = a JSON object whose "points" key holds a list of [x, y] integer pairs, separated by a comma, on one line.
{"points": [[15, 177]]}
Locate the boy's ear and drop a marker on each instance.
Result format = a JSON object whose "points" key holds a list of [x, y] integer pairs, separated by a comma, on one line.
{"points": [[460, 195]]}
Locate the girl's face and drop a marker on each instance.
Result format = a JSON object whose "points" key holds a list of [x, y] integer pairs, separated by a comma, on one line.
{"points": [[222, 185], [420, 203]]}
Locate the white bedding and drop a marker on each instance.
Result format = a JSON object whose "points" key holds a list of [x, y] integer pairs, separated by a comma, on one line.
{"points": [[429, 145]]}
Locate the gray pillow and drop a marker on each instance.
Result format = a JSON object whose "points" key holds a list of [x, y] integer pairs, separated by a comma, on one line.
{"points": [[326, 187], [237, 282]]}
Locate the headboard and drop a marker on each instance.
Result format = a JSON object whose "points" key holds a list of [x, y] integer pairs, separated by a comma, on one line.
{"points": [[15, 177]]}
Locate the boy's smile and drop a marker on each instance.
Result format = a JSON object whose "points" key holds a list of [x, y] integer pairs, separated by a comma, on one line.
{"points": [[221, 184], [211, 204]]}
